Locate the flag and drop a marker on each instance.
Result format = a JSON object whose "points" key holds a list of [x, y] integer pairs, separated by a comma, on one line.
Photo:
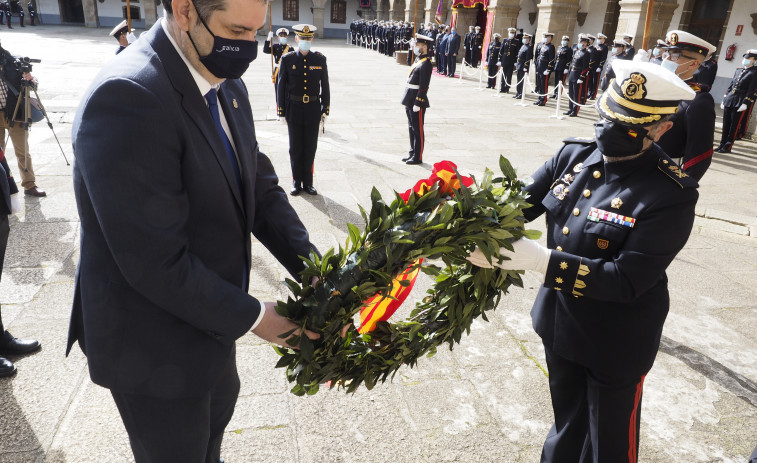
{"points": [[380, 308], [438, 16]]}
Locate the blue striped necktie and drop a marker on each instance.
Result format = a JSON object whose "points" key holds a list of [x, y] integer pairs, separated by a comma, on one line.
{"points": [[212, 99]]}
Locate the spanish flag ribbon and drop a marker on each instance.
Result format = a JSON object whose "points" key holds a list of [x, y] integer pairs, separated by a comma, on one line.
{"points": [[381, 308]]}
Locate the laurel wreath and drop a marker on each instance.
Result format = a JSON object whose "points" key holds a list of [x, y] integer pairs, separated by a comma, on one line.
{"points": [[433, 226]]}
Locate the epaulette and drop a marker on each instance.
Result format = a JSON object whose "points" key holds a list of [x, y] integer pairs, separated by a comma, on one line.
{"points": [[317, 53], [288, 53], [580, 140], [675, 173]]}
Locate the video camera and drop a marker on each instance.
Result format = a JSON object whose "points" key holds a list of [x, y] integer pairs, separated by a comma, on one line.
{"points": [[23, 64]]}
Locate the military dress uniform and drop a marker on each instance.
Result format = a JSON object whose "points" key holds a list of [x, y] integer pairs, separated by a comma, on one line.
{"points": [[303, 98], [690, 140], [579, 68], [492, 56], [278, 50], [523, 63], [614, 224], [508, 55], [416, 97], [596, 64], [741, 93], [468, 46], [563, 57], [544, 61], [478, 45]]}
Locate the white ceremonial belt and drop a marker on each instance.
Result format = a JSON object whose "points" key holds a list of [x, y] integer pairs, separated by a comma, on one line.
{"points": [[413, 86]]}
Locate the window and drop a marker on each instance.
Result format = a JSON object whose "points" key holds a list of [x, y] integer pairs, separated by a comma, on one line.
{"points": [[291, 10], [338, 12]]}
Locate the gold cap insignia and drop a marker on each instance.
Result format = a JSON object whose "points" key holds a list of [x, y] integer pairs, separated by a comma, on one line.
{"points": [[306, 29], [633, 87], [674, 39], [616, 203]]}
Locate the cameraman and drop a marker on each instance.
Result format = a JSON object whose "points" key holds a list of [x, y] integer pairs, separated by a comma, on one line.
{"points": [[10, 85]]}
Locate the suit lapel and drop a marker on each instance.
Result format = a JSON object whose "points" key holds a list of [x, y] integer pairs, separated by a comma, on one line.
{"points": [[195, 106]]}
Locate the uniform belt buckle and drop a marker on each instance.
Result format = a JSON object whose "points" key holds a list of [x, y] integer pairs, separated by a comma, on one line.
{"points": [[306, 99]]}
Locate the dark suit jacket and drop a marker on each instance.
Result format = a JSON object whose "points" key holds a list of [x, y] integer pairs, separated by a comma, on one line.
{"points": [[453, 44], [160, 292]]}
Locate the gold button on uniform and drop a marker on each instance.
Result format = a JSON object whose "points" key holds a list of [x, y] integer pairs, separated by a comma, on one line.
{"points": [[559, 248], [597, 174], [576, 211], [304, 73], [305, 80], [565, 230], [587, 193], [305, 88]]}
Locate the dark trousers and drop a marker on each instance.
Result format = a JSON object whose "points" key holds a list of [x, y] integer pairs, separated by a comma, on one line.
{"points": [[492, 75], [592, 81], [443, 61], [596, 418], [575, 90], [519, 76], [4, 232], [186, 430], [475, 57], [559, 78], [415, 128], [507, 76], [303, 121], [451, 65], [542, 85], [732, 121]]}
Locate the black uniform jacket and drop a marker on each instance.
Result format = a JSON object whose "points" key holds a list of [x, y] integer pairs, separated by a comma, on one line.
{"points": [[418, 82], [692, 134], [743, 87], [525, 55], [579, 66], [492, 54], [303, 79], [160, 294], [563, 58], [277, 49], [545, 57], [613, 229], [508, 52]]}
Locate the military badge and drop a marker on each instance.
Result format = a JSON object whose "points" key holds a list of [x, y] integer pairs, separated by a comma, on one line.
{"points": [[560, 191], [568, 178], [600, 215], [633, 87], [602, 244], [674, 39], [616, 203], [234, 103], [578, 167]]}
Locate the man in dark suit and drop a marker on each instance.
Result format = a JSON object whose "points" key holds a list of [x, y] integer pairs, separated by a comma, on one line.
{"points": [[453, 47], [9, 203], [167, 207], [416, 99], [604, 298], [303, 98]]}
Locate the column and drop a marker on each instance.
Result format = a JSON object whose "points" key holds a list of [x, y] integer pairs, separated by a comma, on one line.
{"points": [[633, 14], [90, 13], [318, 7], [505, 15], [151, 13], [558, 17]]}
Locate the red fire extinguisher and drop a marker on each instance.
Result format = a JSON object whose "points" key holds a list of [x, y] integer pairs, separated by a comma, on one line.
{"points": [[730, 51]]}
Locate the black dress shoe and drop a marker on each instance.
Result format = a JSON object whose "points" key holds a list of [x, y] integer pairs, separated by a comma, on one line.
{"points": [[310, 190], [572, 114], [7, 368], [726, 148], [568, 113], [407, 158], [412, 161], [518, 95], [295, 191], [12, 346], [36, 192]]}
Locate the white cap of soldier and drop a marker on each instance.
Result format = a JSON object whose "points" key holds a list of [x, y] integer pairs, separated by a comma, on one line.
{"points": [[512, 29], [304, 31], [682, 41], [496, 35], [121, 28], [601, 36], [752, 53], [282, 30], [641, 94]]}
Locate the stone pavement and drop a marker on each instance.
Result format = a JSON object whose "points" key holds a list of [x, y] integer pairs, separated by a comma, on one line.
{"points": [[487, 400]]}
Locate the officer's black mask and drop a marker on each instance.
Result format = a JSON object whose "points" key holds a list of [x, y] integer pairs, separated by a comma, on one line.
{"points": [[616, 140], [229, 58]]}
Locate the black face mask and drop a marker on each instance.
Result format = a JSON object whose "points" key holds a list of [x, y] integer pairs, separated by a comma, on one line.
{"points": [[615, 140], [229, 58]]}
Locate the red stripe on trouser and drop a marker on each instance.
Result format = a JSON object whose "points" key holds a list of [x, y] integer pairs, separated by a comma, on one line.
{"points": [[633, 439], [579, 98], [736, 130], [420, 132], [697, 159]]}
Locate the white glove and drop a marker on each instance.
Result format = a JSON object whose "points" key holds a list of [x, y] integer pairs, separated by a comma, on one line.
{"points": [[131, 38], [270, 35], [599, 69], [722, 105], [416, 108], [499, 63], [565, 71], [641, 55], [15, 203], [741, 108], [580, 81], [527, 255], [546, 73]]}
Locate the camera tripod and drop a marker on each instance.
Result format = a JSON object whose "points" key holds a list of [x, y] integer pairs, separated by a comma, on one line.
{"points": [[25, 113]]}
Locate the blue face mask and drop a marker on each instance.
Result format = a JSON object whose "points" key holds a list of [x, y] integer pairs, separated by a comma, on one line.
{"points": [[305, 45], [525, 41], [283, 40], [564, 43], [746, 62], [614, 50], [454, 32], [417, 50], [656, 52]]}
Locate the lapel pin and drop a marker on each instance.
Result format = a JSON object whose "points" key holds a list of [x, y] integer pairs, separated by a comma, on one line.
{"points": [[234, 102]]}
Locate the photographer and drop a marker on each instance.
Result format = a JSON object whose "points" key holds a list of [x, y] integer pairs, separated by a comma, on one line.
{"points": [[12, 71]]}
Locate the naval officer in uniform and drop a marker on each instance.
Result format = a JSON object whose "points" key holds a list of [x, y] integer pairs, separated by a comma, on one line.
{"points": [[303, 98], [416, 99], [278, 49], [618, 210]]}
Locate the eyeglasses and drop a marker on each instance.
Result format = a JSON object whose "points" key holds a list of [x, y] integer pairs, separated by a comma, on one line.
{"points": [[675, 55]]}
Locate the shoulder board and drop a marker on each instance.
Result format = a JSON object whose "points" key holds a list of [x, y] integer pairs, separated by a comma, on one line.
{"points": [[579, 140], [317, 53], [671, 170], [289, 53]]}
